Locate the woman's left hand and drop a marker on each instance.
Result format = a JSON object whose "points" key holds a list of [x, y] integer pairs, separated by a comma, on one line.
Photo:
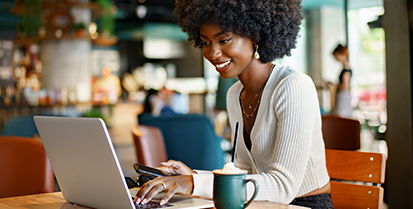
{"points": [[175, 167], [181, 184]]}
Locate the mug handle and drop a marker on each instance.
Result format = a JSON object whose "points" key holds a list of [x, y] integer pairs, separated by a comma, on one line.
{"points": [[255, 191]]}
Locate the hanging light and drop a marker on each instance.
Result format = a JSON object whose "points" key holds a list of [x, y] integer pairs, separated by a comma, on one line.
{"points": [[92, 28], [141, 11]]}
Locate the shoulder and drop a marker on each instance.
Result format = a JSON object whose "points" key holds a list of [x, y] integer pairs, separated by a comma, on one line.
{"points": [[286, 77], [289, 87]]}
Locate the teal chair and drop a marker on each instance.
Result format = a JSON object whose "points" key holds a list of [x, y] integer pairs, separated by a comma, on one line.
{"points": [[190, 139], [20, 126]]}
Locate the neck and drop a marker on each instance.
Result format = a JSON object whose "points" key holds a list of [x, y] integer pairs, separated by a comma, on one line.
{"points": [[254, 77], [346, 65]]}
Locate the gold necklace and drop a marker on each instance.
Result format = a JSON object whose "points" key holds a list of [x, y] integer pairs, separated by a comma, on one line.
{"points": [[253, 111], [253, 99]]}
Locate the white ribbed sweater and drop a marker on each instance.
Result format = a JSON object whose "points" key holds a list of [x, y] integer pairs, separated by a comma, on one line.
{"points": [[287, 156]]}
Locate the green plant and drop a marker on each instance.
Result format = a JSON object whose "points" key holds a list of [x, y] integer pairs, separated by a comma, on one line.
{"points": [[31, 22], [80, 26], [106, 22]]}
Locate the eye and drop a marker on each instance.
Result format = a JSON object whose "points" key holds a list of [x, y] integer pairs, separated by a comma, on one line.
{"points": [[225, 41], [204, 43]]}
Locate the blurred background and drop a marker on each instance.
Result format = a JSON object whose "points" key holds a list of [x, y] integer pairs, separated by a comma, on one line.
{"points": [[120, 59], [57, 50]]}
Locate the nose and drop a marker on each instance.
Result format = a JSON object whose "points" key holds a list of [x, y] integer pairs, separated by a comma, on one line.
{"points": [[212, 53]]}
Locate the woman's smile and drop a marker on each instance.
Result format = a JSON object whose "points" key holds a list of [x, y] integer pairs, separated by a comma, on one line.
{"points": [[220, 67], [228, 52], [223, 64]]}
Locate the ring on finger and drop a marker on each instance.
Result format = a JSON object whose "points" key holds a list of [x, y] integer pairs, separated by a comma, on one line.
{"points": [[163, 185]]}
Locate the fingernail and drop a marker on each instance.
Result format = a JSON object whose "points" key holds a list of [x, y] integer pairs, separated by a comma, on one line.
{"points": [[162, 202], [144, 201], [138, 200]]}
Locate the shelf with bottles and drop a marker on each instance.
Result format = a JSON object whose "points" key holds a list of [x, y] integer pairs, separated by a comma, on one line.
{"points": [[26, 65], [48, 102], [28, 97]]}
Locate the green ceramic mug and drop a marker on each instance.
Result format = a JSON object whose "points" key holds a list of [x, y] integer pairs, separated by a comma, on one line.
{"points": [[230, 190]]}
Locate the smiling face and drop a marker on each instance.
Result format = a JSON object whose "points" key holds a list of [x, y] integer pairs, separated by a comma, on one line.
{"points": [[228, 52]]}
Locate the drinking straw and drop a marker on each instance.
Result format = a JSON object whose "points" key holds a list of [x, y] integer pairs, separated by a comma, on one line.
{"points": [[234, 147]]}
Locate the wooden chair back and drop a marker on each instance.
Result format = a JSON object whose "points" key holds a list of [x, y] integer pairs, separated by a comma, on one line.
{"points": [[149, 145], [341, 133], [25, 168], [356, 178]]}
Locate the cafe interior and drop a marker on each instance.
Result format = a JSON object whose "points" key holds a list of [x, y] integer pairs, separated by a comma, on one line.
{"points": [[129, 63]]}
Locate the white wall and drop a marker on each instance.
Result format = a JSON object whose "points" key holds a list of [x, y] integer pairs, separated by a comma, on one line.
{"points": [[66, 64], [333, 32]]}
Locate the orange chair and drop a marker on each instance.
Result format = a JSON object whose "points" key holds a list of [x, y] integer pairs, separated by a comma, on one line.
{"points": [[149, 145], [341, 133], [25, 168], [353, 169]]}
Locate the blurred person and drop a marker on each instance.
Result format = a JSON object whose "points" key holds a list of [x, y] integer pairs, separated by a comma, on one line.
{"points": [[280, 142], [107, 86], [342, 105], [158, 102]]}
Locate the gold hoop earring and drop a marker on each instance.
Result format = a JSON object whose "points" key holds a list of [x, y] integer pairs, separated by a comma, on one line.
{"points": [[256, 55]]}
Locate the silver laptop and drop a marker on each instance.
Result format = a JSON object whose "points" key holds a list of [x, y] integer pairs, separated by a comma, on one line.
{"points": [[86, 165]]}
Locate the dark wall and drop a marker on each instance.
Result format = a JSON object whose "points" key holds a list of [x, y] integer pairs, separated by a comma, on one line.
{"points": [[132, 56]]}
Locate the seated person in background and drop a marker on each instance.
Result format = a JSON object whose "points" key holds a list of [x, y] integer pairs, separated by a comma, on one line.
{"points": [[158, 102], [280, 142], [342, 105]]}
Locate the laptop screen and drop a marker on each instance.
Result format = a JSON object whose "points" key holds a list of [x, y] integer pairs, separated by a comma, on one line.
{"points": [[86, 165]]}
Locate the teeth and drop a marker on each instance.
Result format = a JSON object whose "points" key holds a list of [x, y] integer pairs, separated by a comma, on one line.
{"points": [[222, 65]]}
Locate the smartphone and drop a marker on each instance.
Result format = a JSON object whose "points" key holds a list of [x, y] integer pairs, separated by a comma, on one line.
{"points": [[152, 172]]}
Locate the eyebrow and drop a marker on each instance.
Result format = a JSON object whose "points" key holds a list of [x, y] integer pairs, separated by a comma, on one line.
{"points": [[216, 35]]}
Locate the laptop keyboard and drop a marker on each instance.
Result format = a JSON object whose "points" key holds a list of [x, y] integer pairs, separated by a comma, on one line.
{"points": [[152, 204]]}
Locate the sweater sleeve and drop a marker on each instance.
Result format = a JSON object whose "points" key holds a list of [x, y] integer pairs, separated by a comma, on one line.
{"points": [[203, 184]]}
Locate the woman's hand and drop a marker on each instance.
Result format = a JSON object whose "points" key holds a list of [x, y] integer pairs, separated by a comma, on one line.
{"points": [[181, 184], [175, 167]]}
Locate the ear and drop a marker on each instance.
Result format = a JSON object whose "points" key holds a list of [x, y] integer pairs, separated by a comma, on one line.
{"points": [[254, 46]]}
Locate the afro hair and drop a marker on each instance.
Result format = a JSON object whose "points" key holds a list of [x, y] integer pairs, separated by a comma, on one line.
{"points": [[272, 24]]}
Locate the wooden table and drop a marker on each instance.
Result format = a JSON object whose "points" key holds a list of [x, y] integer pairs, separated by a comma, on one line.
{"points": [[55, 200]]}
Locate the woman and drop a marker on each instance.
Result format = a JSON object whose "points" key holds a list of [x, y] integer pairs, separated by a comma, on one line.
{"points": [[342, 105], [281, 145]]}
